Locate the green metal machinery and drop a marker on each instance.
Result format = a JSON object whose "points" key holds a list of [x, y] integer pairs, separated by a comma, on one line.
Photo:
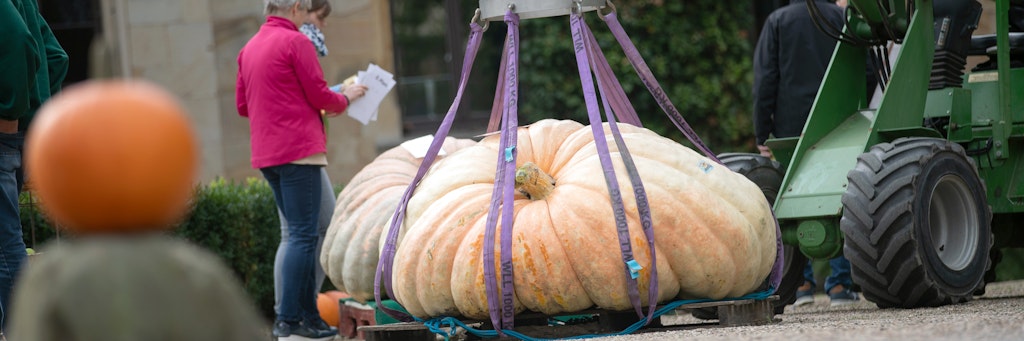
{"points": [[920, 187]]}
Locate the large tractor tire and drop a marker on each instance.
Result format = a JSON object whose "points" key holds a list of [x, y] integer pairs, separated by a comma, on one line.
{"points": [[917, 224], [766, 174]]}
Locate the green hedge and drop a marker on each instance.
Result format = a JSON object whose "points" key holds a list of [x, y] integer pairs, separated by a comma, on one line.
{"points": [[235, 220], [699, 51], [238, 222]]}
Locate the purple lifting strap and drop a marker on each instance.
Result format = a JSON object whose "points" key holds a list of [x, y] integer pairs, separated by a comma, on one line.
{"points": [[614, 192], [387, 255], [652, 84], [647, 77], [499, 94], [502, 311], [620, 104], [639, 193]]}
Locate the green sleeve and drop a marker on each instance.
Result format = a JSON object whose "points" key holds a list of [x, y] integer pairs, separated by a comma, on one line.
{"points": [[18, 63], [56, 58]]}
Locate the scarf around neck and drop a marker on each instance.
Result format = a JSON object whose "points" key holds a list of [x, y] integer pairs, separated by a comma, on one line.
{"points": [[316, 36]]}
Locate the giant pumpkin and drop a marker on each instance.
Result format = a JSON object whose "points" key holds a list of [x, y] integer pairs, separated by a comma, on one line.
{"points": [[349, 255], [715, 235]]}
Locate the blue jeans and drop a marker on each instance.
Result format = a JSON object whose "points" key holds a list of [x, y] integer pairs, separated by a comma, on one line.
{"points": [[297, 193], [840, 274], [12, 246], [326, 211]]}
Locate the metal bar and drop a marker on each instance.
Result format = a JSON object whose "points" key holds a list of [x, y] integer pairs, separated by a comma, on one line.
{"points": [[1001, 128], [494, 10]]}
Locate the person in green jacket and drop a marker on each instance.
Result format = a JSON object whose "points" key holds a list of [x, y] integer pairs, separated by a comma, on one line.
{"points": [[32, 68]]}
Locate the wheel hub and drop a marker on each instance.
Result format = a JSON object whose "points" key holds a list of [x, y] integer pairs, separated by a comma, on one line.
{"points": [[952, 214]]}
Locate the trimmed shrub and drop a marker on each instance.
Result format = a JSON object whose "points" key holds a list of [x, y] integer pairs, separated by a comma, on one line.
{"points": [[700, 51], [238, 222], [36, 227], [235, 220]]}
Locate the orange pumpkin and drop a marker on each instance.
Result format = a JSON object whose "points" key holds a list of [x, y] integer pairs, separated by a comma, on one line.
{"points": [[364, 207], [113, 156], [714, 232], [328, 303]]}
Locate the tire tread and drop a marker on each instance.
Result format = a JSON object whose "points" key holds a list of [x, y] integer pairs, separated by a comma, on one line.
{"points": [[878, 223]]}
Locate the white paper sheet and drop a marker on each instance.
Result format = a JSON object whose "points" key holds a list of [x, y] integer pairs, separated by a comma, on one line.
{"points": [[378, 83]]}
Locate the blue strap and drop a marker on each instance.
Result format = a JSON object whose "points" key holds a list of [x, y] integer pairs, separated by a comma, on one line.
{"points": [[440, 324]]}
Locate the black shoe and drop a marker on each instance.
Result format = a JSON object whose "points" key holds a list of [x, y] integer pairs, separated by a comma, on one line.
{"points": [[309, 330], [315, 329], [804, 297], [843, 298], [282, 329]]}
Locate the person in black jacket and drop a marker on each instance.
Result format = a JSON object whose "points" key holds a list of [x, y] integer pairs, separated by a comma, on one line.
{"points": [[789, 63]]}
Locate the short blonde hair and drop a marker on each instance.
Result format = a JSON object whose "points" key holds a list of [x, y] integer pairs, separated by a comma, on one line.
{"points": [[273, 6]]}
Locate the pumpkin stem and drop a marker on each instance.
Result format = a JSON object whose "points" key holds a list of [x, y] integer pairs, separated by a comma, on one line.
{"points": [[533, 182]]}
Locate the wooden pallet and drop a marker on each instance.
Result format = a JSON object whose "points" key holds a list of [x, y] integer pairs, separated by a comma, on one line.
{"points": [[730, 313]]}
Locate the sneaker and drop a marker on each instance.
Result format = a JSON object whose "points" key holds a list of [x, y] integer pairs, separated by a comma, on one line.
{"points": [[321, 325], [316, 330], [843, 297], [282, 329], [804, 295]]}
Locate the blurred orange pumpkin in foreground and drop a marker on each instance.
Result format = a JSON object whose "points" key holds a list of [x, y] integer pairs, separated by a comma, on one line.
{"points": [[112, 156]]}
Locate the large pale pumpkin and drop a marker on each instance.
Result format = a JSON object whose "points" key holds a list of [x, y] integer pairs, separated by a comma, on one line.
{"points": [[715, 236], [349, 255]]}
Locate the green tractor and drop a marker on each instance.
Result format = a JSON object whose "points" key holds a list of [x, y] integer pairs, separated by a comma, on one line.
{"points": [[920, 187]]}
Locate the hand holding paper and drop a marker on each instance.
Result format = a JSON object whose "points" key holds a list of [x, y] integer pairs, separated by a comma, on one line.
{"points": [[348, 81], [378, 83], [352, 92]]}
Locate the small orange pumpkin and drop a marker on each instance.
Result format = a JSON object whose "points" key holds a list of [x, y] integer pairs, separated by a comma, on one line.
{"points": [[329, 305], [113, 156]]}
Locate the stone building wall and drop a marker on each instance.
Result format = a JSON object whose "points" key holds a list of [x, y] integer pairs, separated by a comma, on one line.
{"points": [[190, 47]]}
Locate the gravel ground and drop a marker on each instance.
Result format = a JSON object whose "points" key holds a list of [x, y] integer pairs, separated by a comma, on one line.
{"points": [[999, 315]]}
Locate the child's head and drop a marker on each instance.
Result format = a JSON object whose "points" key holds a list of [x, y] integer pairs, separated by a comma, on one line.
{"points": [[318, 11]]}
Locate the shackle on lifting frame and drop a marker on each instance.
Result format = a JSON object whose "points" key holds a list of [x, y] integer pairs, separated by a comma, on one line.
{"points": [[528, 9]]}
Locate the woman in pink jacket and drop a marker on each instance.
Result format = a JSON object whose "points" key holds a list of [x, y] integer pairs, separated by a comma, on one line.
{"points": [[282, 91]]}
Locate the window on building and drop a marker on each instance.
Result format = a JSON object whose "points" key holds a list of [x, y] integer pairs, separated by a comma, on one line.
{"points": [[430, 43], [74, 24]]}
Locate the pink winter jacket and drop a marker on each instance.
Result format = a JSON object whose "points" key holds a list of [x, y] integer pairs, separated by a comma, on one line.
{"points": [[281, 89]]}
